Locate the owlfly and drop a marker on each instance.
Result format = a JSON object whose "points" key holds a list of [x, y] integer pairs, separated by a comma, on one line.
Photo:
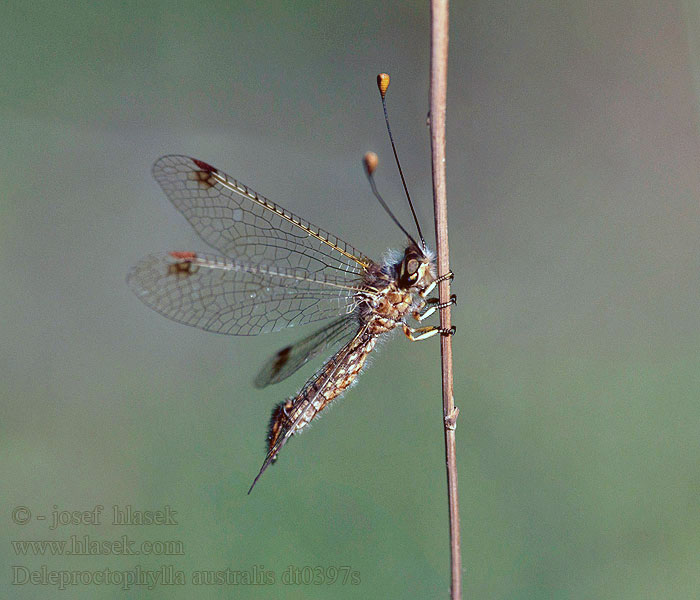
{"points": [[277, 270]]}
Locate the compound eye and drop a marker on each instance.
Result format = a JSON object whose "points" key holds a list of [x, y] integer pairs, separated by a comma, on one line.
{"points": [[412, 266]]}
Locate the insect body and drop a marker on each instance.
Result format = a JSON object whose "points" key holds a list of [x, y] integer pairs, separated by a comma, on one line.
{"points": [[277, 271], [382, 304]]}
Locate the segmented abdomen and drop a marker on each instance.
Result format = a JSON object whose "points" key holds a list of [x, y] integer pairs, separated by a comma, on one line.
{"points": [[330, 381]]}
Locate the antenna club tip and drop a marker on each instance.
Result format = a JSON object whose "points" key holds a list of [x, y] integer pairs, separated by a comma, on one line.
{"points": [[383, 83], [370, 160]]}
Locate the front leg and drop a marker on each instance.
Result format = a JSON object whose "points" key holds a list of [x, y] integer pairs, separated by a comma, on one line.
{"points": [[449, 275]]}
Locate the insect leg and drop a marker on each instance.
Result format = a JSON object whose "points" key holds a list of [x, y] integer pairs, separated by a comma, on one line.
{"points": [[449, 275], [423, 333], [435, 305]]}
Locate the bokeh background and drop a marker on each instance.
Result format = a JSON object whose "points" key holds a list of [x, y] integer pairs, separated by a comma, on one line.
{"points": [[573, 155]]}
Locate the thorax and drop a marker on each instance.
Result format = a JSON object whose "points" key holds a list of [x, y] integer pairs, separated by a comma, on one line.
{"points": [[384, 306]]}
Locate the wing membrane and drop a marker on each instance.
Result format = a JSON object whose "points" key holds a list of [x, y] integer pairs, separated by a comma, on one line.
{"points": [[291, 358], [248, 227], [230, 297]]}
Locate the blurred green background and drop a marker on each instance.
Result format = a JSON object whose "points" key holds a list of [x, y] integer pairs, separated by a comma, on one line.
{"points": [[574, 225]]}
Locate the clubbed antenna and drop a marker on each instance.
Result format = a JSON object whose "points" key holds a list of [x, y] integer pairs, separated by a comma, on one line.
{"points": [[383, 84]]}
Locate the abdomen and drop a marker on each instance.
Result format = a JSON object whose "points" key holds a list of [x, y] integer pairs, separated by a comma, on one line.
{"points": [[336, 375]]}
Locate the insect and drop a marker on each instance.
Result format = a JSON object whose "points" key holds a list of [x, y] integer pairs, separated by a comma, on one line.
{"points": [[277, 270]]}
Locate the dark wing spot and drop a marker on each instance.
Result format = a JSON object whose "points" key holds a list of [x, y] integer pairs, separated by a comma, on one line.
{"points": [[204, 166], [204, 179], [281, 359], [184, 256], [184, 265]]}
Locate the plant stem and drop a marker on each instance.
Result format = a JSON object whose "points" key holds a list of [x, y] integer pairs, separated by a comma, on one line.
{"points": [[439, 17]]}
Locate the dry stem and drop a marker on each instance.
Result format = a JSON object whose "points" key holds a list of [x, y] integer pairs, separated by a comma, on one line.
{"points": [[439, 13]]}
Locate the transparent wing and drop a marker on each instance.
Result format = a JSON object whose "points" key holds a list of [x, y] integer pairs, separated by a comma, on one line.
{"points": [[291, 358], [248, 227], [230, 297]]}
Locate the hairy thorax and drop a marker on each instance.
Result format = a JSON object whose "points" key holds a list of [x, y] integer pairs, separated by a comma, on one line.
{"points": [[385, 309]]}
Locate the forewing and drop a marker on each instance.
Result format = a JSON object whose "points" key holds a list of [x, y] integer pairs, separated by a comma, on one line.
{"points": [[291, 358], [248, 227], [229, 297]]}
